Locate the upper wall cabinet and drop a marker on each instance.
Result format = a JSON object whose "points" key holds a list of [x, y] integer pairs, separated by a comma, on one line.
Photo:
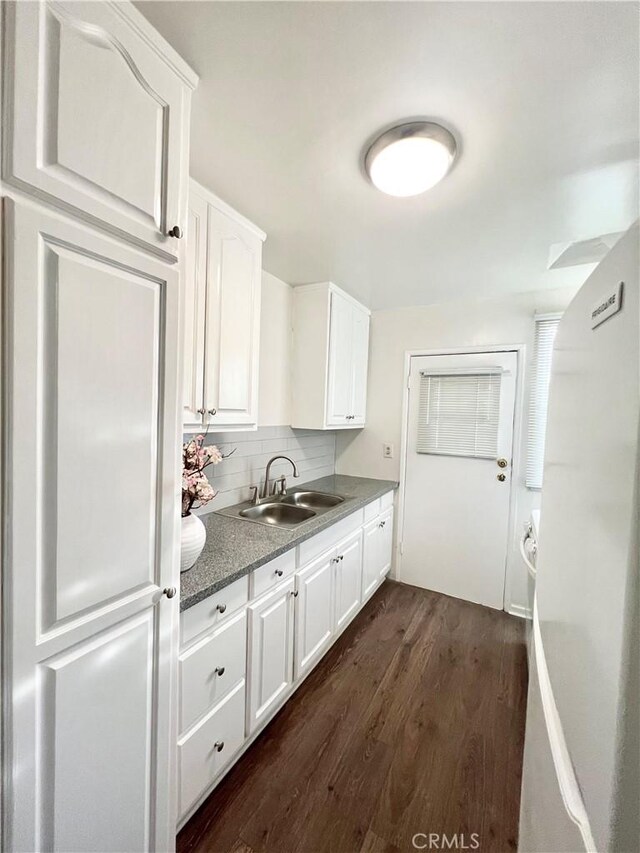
{"points": [[330, 357], [222, 315], [98, 118]]}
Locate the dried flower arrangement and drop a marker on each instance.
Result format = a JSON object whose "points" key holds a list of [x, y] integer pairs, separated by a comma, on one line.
{"points": [[195, 485]]}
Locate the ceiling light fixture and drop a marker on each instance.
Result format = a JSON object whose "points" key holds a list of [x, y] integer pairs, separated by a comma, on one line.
{"points": [[410, 158]]}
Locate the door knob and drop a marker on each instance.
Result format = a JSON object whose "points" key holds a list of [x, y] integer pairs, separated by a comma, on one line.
{"points": [[212, 412], [176, 232], [219, 670], [279, 572], [502, 462], [295, 593], [201, 411], [218, 745], [169, 591], [502, 477], [221, 608]]}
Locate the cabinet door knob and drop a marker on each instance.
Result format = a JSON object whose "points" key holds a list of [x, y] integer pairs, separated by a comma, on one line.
{"points": [[502, 477], [221, 608], [218, 745], [219, 670], [382, 523], [201, 411], [169, 591], [341, 557], [279, 572], [294, 592], [176, 232], [212, 412]]}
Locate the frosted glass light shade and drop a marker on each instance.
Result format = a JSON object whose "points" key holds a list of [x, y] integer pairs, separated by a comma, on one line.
{"points": [[410, 158]]}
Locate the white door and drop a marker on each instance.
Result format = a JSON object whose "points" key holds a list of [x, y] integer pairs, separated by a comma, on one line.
{"points": [[340, 387], [232, 323], [385, 542], [348, 579], [314, 611], [91, 544], [99, 121], [370, 557], [270, 669], [194, 305], [456, 494]]}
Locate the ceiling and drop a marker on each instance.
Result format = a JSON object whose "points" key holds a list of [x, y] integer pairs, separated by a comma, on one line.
{"points": [[542, 96]]}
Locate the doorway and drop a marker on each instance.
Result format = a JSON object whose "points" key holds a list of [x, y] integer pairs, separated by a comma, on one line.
{"points": [[458, 473]]}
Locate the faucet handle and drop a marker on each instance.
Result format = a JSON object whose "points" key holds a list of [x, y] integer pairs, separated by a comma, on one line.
{"points": [[254, 496], [283, 485]]}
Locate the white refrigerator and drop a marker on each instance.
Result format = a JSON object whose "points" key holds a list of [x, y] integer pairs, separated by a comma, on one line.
{"points": [[580, 786]]}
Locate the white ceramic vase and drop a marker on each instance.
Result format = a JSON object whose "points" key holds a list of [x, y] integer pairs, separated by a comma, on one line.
{"points": [[192, 541]]}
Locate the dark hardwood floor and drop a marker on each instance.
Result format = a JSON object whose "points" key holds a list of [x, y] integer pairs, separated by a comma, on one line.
{"points": [[412, 723]]}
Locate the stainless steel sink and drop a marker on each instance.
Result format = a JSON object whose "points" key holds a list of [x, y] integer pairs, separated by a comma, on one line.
{"points": [[279, 513], [315, 500]]}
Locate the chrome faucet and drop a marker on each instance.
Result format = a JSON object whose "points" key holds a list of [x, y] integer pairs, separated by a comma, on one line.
{"points": [[264, 492]]}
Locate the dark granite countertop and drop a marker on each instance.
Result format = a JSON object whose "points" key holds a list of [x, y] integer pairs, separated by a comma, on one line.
{"points": [[235, 547]]}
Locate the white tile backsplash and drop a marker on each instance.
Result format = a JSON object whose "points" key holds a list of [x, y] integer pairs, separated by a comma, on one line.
{"points": [[314, 452]]}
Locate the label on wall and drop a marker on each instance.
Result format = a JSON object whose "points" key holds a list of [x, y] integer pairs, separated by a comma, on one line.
{"points": [[607, 307]]}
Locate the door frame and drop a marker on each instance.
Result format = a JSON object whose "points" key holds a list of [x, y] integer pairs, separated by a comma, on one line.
{"points": [[520, 351]]}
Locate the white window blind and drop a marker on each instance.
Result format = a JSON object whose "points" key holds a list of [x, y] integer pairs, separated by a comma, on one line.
{"points": [[545, 335], [458, 413]]}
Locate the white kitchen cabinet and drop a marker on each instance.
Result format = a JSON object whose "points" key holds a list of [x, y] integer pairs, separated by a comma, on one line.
{"points": [[222, 316], [377, 551], [270, 652], [97, 121], [314, 611], [89, 635], [348, 580], [330, 358]]}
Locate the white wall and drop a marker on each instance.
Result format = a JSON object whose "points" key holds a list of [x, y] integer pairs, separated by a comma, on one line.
{"points": [[274, 401], [508, 320]]}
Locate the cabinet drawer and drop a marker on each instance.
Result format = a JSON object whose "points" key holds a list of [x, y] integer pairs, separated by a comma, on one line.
{"points": [[317, 545], [211, 668], [210, 747], [266, 577], [372, 510], [386, 501], [213, 610]]}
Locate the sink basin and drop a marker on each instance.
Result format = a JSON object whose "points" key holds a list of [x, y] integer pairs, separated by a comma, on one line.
{"points": [[315, 500], [281, 514]]}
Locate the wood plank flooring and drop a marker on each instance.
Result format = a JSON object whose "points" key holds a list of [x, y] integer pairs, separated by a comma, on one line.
{"points": [[412, 723]]}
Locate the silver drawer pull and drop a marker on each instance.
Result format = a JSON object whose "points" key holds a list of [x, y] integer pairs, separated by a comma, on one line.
{"points": [[221, 608], [279, 572], [219, 670], [218, 745]]}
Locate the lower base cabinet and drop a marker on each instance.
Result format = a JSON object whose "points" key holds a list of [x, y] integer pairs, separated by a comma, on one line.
{"points": [[314, 612], [207, 750], [298, 604], [270, 652]]}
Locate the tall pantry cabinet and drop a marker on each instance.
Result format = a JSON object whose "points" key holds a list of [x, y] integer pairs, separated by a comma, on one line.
{"points": [[95, 163]]}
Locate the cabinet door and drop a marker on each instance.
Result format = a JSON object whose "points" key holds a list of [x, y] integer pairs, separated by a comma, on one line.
{"points": [[340, 372], [233, 323], [385, 542], [92, 529], [99, 121], [194, 313], [270, 672], [314, 611], [370, 558], [348, 580], [360, 360]]}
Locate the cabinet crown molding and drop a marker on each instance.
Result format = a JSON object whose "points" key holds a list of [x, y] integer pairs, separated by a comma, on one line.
{"points": [[230, 212]]}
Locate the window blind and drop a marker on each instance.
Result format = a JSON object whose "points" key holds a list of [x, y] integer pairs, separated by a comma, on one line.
{"points": [[458, 413], [545, 335]]}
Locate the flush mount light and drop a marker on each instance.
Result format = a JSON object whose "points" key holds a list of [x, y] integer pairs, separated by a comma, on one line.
{"points": [[410, 158]]}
